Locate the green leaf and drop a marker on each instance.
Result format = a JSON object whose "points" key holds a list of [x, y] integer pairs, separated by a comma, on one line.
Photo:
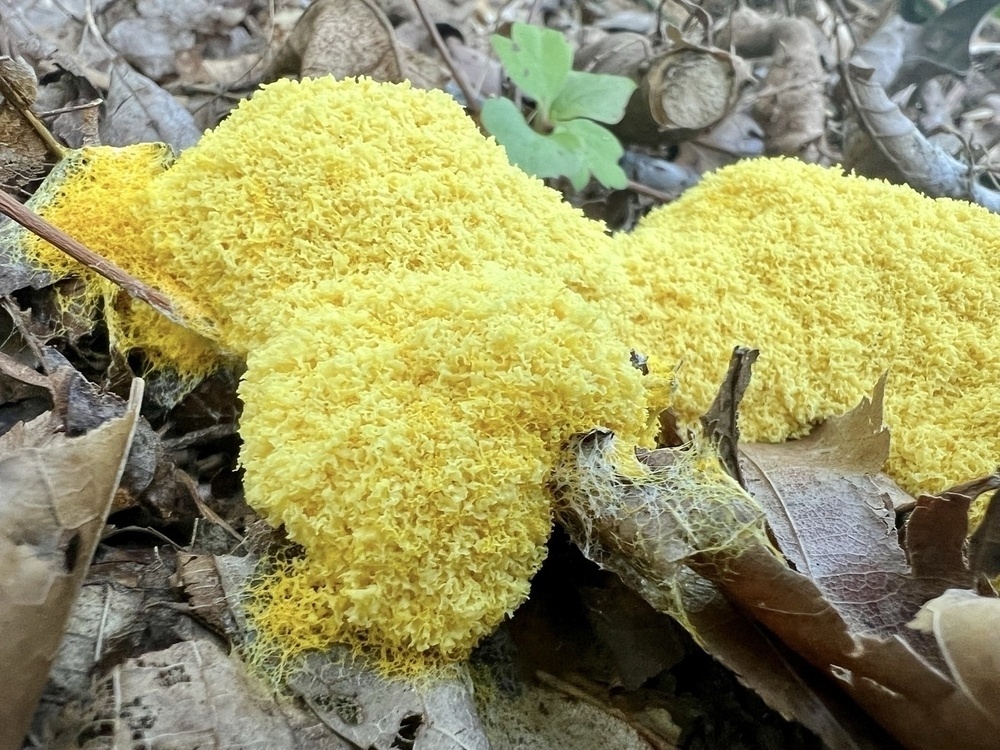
{"points": [[597, 149], [594, 96], [536, 154], [537, 60]]}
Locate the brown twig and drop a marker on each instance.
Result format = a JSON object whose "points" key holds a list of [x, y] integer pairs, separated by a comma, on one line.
{"points": [[23, 108], [471, 100], [82, 254], [650, 192]]}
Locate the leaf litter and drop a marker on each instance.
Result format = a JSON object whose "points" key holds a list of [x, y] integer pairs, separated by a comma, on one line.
{"points": [[893, 618]]}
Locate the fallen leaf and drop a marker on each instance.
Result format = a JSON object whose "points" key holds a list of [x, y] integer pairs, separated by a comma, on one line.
{"points": [[936, 532], [832, 515], [881, 142], [984, 546], [139, 111], [370, 711], [55, 493], [342, 38], [967, 630], [841, 611], [23, 150]]}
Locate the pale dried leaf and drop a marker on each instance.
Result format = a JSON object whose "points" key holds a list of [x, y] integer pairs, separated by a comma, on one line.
{"points": [[55, 493], [193, 696], [150, 44], [371, 711], [342, 38], [886, 50], [139, 111], [832, 515], [881, 142], [22, 150], [55, 32], [967, 630], [791, 105], [125, 604], [903, 53]]}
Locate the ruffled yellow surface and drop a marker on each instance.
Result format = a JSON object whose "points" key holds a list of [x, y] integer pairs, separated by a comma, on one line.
{"points": [[92, 196], [402, 431], [425, 324], [318, 179], [836, 280]]}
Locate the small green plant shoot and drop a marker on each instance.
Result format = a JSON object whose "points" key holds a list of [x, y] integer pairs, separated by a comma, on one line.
{"points": [[563, 139]]}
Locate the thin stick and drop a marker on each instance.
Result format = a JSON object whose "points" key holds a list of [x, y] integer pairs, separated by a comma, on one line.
{"points": [[650, 192], [471, 100], [23, 108], [82, 254]]}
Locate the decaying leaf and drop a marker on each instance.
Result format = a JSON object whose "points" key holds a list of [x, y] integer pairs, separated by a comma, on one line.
{"points": [[125, 604], [984, 545], [880, 141], [967, 630], [904, 53], [764, 665], [23, 149], [369, 711], [193, 695], [200, 578], [139, 111], [832, 515], [55, 493], [936, 532], [846, 606], [342, 38], [791, 107]]}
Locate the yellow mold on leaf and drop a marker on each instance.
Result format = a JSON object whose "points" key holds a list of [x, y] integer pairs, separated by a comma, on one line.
{"points": [[836, 279], [425, 324], [92, 195]]}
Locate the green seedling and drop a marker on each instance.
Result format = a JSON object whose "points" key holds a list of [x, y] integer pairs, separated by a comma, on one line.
{"points": [[563, 139]]}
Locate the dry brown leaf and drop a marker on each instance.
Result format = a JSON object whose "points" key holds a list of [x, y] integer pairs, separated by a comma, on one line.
{"points": [[881, 142], [967, 630], [369, 711], [55, 492], [791, 107], [984, 546], [23, 151], [832, 514], [937, 528], [849, 623], [342, 38], [199, 577]]}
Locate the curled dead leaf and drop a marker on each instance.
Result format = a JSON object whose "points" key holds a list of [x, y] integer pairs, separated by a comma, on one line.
{"points": [[966, 627], [55, 493], [342, 38]]}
